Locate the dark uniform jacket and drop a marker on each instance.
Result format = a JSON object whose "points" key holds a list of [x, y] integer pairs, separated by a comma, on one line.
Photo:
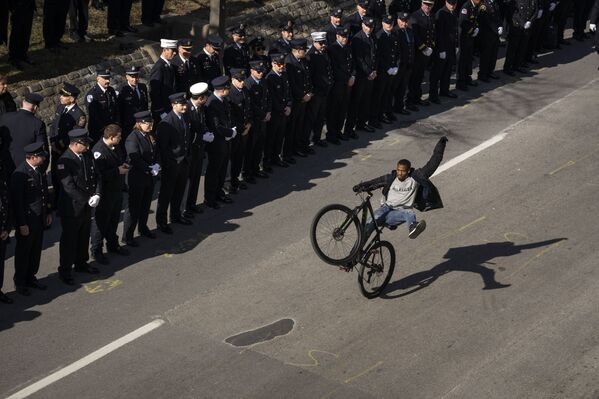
{"points": [[354, 23], [79, 180], [241, 112], [19, 129], [423, 27], [298, 73], [101, 109], [446, 27], [162, 85], [422, 177], [197, 124], [173, 139], [236, 56], [408, 6], [377, 9], [29, 194], [186, 73], [406, 48], [279, 90], [218, 120], [7, 104], [209, 66], [331, 31], [523, 11], [129, 103], [490, 17], [468, 19], [364, 52], [259, 99], [107, 162], [141, 154], [321, 71], [387, 50], [280, 46], [63, 123], [342, 62]]}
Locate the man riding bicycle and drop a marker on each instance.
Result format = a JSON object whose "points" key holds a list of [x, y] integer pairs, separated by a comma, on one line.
{"points": [[406, 188]]}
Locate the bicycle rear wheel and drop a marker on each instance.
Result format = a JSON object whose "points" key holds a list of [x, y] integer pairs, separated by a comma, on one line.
{"points": [[376, 269], [335, 234]]}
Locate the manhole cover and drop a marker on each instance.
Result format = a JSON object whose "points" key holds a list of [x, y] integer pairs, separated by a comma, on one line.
{"points": [[262, 334]]}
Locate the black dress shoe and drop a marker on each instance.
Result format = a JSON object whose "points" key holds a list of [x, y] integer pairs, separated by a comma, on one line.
{"points": [[119, 251], [68, 280], [261, 174], [280, 163], [484, 79], [196, 209], [449, 95], [353, 135], [147, 233], [62, 45], [249, 179], [404, 111], [37, 285], [334, 140], [462, 87], [28, 61], [385, 120], [520, 70], [290, 160], [181, 220], [365, 128], [165, 228], [129, 29], [100, 258], [374, 125], [234, 189], [435, 100], [16, 64], [309, 151], [5, 299], [225, 199], [188, 214], [267, 169], [472, 83], [321, 143], [213, 205], [131, 243], [425, 103], [391, 117], [301, 154], [86, 268], [343, 137], [493, 76], [412, 107], [509, 72], [22, 290]]}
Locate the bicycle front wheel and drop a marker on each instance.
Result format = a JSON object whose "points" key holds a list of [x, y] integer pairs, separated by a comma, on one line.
{"points": [[376, 269], [335, 234]]}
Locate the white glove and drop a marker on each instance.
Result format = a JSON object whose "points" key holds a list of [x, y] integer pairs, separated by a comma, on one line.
{"points": [[427, 51], [540, 14], [208, 137], [155, 169], [527, 25], [390, 71], [94, 200], [457, 50], [442, 55], [593, 27], [233, 135], [552, 6], [475, 33], [500, 30]]}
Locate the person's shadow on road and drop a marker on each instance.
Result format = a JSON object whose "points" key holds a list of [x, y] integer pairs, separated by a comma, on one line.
{"points": [[466, 259]]}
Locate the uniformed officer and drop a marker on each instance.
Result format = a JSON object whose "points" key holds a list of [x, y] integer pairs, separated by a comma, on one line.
{"points": [[237, 54], [241, 116], [7, 104], [344, 77], [218, 119], [423, 27], [335, 19], [403, 6], [300, 82], [199, 137], [406, 64], [354, 21], [67, 117], [446, 29], [143, 167], [524, 11], [280, 94], [208, 60], [32, 212], [112, 168], [321, 74], [468, 24], [174, 148], [377, 10], [258, 51], [21, 128], [80, 192], [133, 98], [162, 80], [364, 52], [101, 105], [387, 54], [186, 69], [4, 224], [490, 23], [283, 44]]}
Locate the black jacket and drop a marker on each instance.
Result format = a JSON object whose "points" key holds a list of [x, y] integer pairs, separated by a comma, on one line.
{"points": [[29, 194], [298, 72], [490, 18], [197, 124], [331, 31], [446, 24], [209, 66], [259, 100], [129, 103], [102, 110], [218, 120], [7, 104], [186, 74], [63, 123], [364, 52], [79, 181], [141, 154], [321, 71], [172, 136], [422, 177], [523, 11], [107, 162], [387, 50], [468, 19], [280, 46], [342, 62], [423, 27], [19, 129], [279, 90], [406, 48], [354, 23], [241, 112], [162, 84], [236, 57]]}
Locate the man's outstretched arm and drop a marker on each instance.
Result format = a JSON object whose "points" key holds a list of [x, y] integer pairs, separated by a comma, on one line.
{"points": [[433, 163], [371, 185]]}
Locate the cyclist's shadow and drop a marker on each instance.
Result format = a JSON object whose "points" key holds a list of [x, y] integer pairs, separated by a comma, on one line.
{"points": [[466, 259]]}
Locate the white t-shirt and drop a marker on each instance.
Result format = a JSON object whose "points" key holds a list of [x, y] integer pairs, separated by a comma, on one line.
{"points": [[402, 193]]}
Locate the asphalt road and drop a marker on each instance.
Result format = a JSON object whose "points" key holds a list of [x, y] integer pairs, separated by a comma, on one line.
{"points": [[522, 211]]}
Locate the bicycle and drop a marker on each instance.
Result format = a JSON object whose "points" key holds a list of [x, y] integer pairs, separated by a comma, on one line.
{"points": [[344, 230]]}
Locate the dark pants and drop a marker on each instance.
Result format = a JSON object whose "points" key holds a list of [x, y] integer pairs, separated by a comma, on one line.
{"points": [[216, 171], [106, 221], [195, 174], [381, 95], [488, 55], [516, 48], [338, 102], [415, 86], [2, 258], [28, 251], [275, 135], [464, 72], [21, 20], [254, 148], [295, 137], [238, 156], [172, 189], [403, 78], [441, 74], [141, 190], [359, 106], [55, 20], [316, 113], [74, 241], [79, 16], [119, 13], [562, 11], [536, 32], [150, 10], [581, 15]]}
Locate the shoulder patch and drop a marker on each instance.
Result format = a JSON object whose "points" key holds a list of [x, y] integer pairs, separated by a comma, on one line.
{"points": [[90, 98], [97, 155], [464, 11]]}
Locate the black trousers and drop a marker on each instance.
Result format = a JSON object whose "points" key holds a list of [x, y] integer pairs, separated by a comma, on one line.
{"points": [[359, 106], [2, 259], [275, 135], [28, 251], [195, 174], [562, 12], [338, 102], [381, 95], [295, 137], [150, 10], [55, 20], [464, 72], [106, 220], [141, 190], [238, 156], [172, 189], [581, 15], [119, 13], [216, 171], [534, 41], [254, 148], [21, 21], [74, 241], [441, 74], [403, 78], [415, 85], [516, 48], [316, 114], [488, 55], [79, 16]]}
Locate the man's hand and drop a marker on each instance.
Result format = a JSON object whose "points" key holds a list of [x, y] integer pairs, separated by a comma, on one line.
{"points": [[287, 111], [24, 230], [307, 97], [3, 235], [443, 139], [351, 81], [123, 169]]}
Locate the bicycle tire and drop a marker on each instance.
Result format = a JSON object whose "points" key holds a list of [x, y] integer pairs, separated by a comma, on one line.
{"points": [[346, 251], [369, 269]]}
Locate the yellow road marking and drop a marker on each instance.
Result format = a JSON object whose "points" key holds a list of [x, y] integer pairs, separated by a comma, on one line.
{"points": [[93, 287], [452, 233], [480, 219], [510, 234], [536, 256], [573, 162], [366, 157], [396, 141], [369, 369], [315, 361]]}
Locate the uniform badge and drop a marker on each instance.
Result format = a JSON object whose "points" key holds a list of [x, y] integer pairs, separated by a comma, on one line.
{"points": [[483, 8], [90, 98], [97, 155], [464, 11]]}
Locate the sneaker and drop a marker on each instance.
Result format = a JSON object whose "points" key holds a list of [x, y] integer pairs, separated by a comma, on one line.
{"points": [[416, 228]]}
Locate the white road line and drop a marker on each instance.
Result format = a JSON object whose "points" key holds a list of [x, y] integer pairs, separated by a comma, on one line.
{"points": [[92, 357], [503, 133]]}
